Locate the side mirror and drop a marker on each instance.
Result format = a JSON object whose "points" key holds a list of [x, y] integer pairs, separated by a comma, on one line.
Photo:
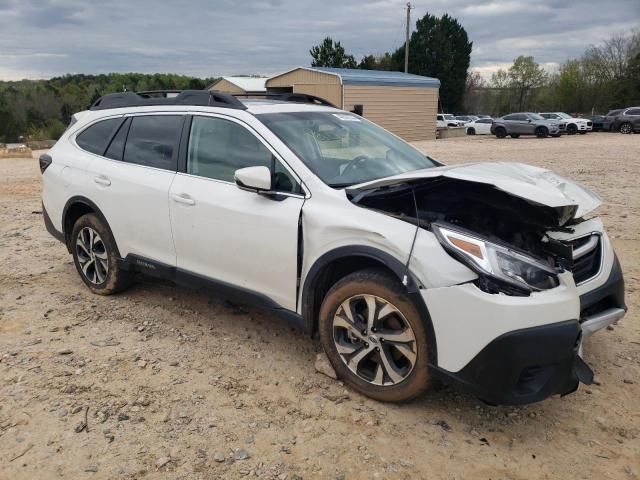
{"points": [[255, 179]]}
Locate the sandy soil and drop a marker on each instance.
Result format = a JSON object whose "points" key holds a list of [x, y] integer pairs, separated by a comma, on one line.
{"points": [[183, 385]]}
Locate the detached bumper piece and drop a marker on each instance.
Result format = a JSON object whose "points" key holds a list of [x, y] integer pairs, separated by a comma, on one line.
{"points": [[525, 366]]}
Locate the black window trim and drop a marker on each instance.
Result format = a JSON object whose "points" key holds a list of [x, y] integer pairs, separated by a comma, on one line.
{"points": [[184, 147], [127, 121]]}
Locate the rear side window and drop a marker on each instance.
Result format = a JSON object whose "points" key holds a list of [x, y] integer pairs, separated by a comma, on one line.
{"points": [[153, 141], [94, 139], [633, 111], [117, 144]]}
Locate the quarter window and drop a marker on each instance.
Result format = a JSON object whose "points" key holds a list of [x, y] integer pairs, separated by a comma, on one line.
{"points": [[94, 139], [218, 147], [153, 141]]}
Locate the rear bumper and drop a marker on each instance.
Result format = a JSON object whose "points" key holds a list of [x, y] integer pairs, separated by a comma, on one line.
{"points": [[50, 227], [524, 366]]}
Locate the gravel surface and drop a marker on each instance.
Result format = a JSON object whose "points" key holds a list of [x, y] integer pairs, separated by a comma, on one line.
{"points": [[165, 382]]}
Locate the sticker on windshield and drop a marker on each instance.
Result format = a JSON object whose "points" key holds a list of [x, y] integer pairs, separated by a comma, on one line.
{"points": [[346, 118]]}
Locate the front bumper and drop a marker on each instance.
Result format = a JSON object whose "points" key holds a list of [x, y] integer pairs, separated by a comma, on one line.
{"points": [[524, 366], [518, 350]]}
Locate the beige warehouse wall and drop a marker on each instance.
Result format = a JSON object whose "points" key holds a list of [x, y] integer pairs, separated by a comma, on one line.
{"points": [[224, 86], [409, 112], [332, 93], [300, 75]]}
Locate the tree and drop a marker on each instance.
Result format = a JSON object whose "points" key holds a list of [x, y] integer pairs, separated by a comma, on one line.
{"points": [[330, 54], [439, 48], [377, 62], [525, 75], [473, 92]]}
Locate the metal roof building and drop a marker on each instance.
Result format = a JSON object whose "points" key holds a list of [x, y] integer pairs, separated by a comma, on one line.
{"points": [[404, 104], [240, 85]]}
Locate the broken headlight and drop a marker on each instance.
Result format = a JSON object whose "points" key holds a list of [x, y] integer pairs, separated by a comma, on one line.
{"points": [[497, 261]]}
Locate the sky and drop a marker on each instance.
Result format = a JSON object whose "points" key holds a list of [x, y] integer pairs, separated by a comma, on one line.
{"points": [[45, 38]]}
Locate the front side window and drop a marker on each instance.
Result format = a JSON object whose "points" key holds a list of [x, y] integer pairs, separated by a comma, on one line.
{"points": [[533, 116], [153, 141], [94, 139], [219, 147], [344, 149]]}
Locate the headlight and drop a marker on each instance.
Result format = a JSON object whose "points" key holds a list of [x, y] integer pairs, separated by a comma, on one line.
{"points": [[497, 261]]}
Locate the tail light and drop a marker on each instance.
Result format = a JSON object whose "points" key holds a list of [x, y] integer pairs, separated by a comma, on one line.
{"points": [[44, 160]]}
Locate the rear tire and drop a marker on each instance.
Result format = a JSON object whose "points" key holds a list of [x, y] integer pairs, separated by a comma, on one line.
{"points": [[626, 128], [375, 337], [471, 131], [501, 132], [542, 132], [95, 256]]}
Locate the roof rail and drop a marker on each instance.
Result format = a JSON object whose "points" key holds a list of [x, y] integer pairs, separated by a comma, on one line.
{"points": [[289, 97], [203, 98]]}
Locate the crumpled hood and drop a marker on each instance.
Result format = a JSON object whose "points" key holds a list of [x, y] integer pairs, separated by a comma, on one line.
{"points": [[534, 184]]}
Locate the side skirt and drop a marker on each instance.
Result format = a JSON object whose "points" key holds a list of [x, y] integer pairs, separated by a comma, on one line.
{"points": [[222, 289]]}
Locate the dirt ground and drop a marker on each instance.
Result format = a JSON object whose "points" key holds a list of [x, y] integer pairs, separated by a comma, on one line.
{"points": [[180, 384]]}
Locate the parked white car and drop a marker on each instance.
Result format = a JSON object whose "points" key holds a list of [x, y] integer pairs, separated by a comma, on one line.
{"points": [[487, 276], [573, 124], [444, 120], [481, 126]]}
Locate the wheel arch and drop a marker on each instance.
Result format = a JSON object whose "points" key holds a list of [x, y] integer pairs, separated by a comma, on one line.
{"points": [[336, 264], [76, 207]]}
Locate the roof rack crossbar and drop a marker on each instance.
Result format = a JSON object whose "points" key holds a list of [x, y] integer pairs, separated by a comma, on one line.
{"points": [[289, 97], [203, 98]]}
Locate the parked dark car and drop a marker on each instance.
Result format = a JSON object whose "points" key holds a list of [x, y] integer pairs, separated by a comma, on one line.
{"points": [[609, 118], [627, 121], [526, 123], [598, 122]]}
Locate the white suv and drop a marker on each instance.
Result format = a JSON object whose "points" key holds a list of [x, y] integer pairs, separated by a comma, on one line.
{"points": [[573, 124], [486, 276]]}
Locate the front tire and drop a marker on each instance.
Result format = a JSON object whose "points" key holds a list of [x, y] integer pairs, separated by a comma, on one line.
{"points": [[572, 129], [374, 337], [542, 132], [471, 131], [95, 256]]}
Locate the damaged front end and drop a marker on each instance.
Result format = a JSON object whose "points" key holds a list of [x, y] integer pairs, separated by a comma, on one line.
{"points": [[504, 238]]}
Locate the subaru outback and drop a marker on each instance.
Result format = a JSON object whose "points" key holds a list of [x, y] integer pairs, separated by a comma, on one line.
{"points": [[485, 276]]}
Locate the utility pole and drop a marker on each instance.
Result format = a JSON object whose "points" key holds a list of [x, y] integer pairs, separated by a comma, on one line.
{"points": [[406, 43]]}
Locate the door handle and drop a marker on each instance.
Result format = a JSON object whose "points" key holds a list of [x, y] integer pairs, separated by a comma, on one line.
{"points": [[183, 198], [102, 180]]}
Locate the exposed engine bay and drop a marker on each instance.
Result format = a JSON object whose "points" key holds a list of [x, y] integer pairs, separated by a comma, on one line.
{"points": [[480, 208]]}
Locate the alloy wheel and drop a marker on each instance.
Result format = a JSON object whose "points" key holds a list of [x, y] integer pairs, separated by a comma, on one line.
{"points": [[374, 340], [625, 128], [92, 255]]}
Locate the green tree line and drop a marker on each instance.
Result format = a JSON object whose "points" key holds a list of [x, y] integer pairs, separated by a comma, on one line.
{"points": [[41, 109], [604, 77], [439, 47]]}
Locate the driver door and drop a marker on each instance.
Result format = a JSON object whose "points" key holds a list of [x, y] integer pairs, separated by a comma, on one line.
{"points": [[235, 237]]}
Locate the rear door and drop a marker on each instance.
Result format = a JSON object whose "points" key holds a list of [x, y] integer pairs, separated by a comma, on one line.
{"points": [[130, 184], [229, 235]]}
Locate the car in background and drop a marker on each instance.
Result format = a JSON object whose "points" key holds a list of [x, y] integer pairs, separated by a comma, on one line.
{"points": [[609, 118], [466, 118], [597, 121], [526, 123], [481, 126], [485, 116], [574, 124], [627, 121], [444, 120]]}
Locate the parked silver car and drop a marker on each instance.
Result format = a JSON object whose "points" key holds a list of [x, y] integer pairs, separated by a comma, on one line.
{"points": [[526, 123]]}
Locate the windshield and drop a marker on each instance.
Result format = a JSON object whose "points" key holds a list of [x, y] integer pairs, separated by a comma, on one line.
{"points": [[535, 116], [449, 117], [564, 115], [613, 112], [344, 149]]}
